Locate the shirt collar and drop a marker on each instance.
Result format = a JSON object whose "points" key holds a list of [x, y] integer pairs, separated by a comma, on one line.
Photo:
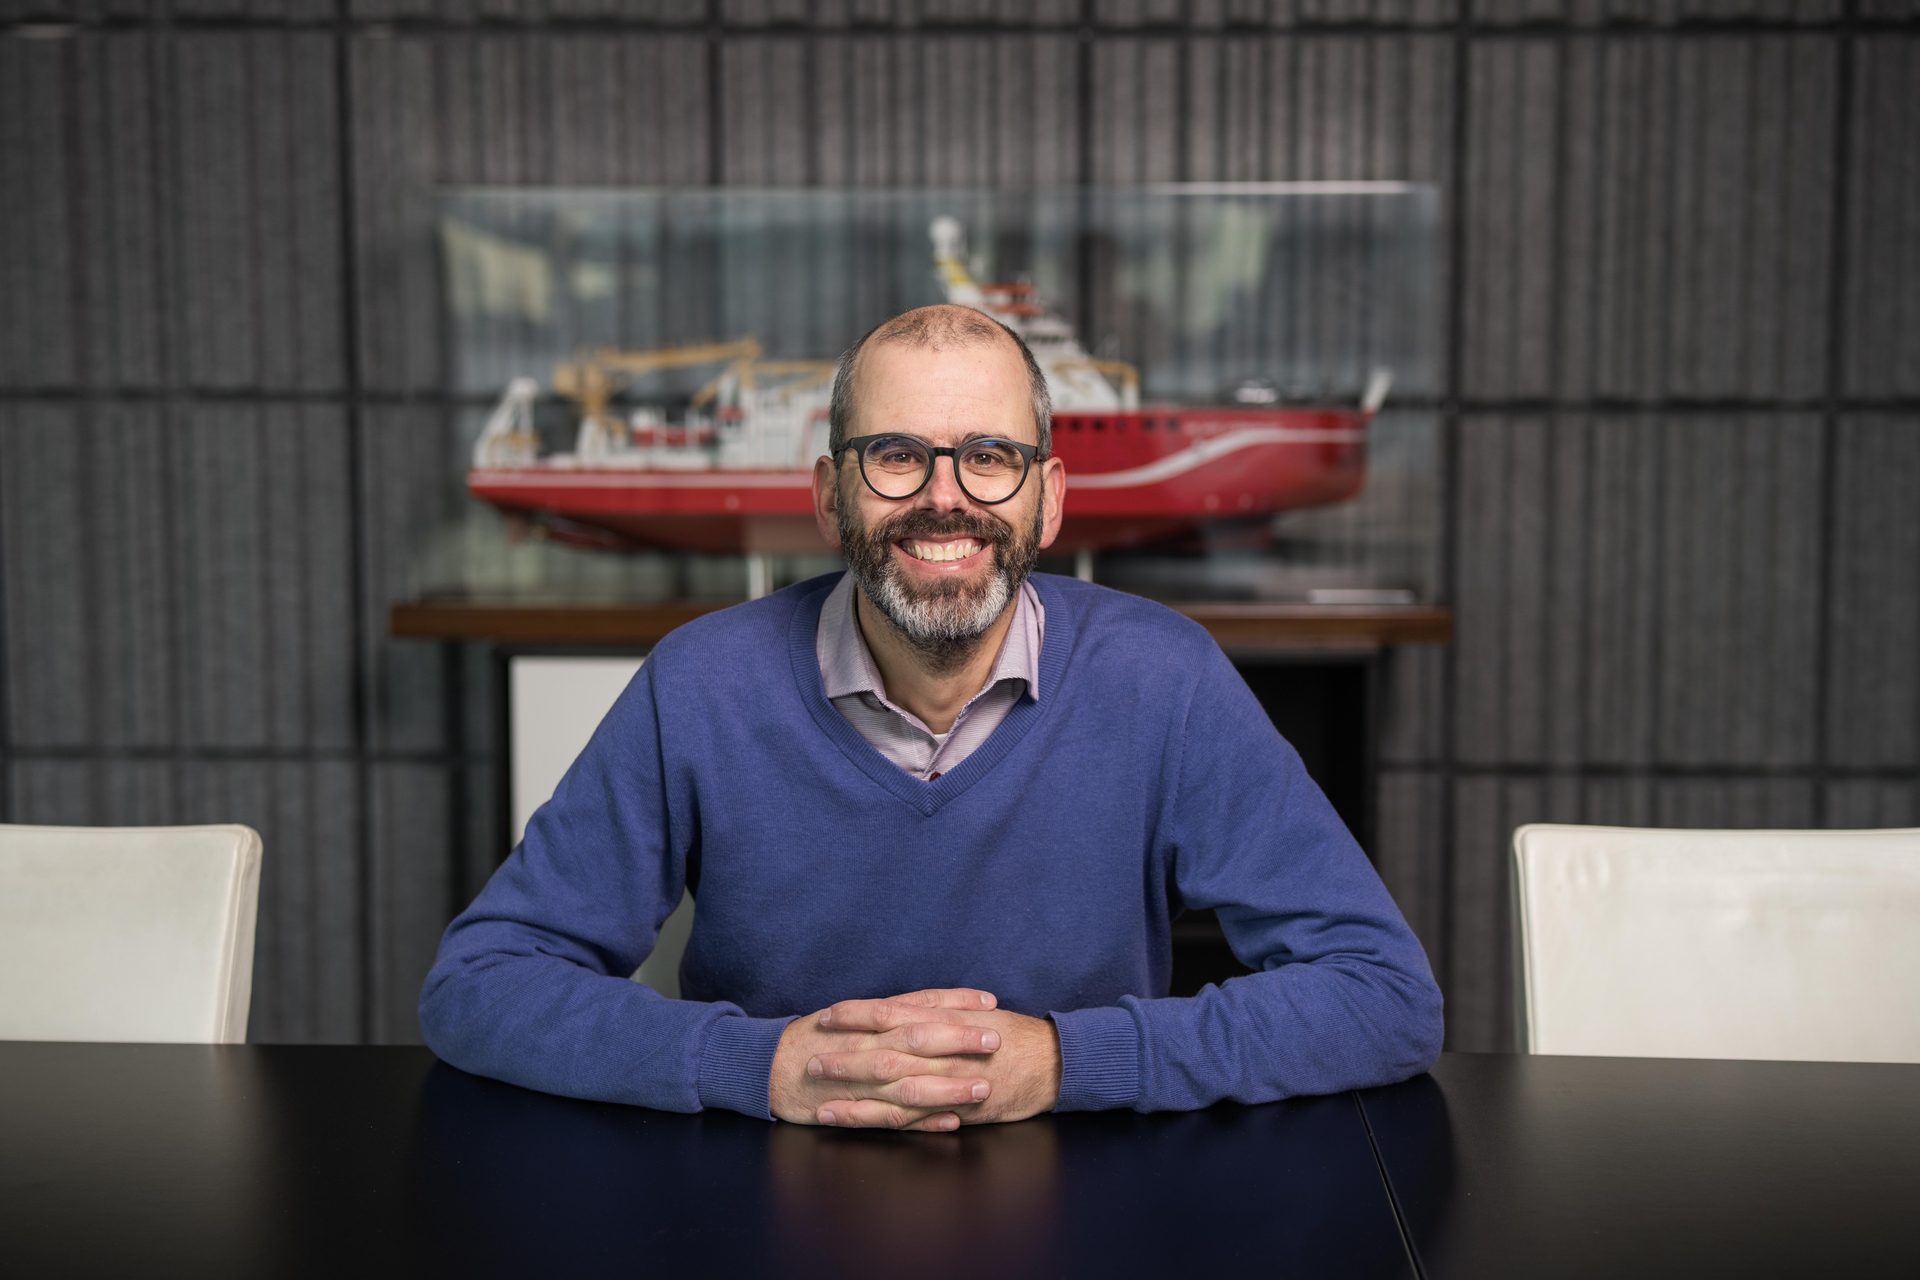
{"points": [[847, 665]]}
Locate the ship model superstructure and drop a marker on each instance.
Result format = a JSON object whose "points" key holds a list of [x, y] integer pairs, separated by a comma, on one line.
{"points": [[733, 472]]}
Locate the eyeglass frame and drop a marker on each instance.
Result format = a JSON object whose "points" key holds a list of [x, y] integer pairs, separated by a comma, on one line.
{"points": [[1029, 454]]}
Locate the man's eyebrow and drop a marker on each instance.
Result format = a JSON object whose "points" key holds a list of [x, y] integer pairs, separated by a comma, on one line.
{"points": [[968, 438]]}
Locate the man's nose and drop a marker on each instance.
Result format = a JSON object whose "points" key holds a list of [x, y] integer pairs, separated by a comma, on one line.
{"points": [[943, 491]]}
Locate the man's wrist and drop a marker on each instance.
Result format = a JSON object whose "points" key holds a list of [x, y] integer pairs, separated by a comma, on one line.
{"points": [[736, 1063], [1099, 1059]]}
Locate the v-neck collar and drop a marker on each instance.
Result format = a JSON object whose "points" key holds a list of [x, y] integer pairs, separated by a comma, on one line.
{"points": [[926, 797]]}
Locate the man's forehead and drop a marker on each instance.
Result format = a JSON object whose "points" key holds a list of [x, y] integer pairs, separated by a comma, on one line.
{"points": [[987, 376], [994, 355]]}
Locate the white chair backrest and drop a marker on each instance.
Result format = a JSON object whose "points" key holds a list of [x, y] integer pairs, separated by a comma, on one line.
{"points": [[137, 934], [1800, 945]]}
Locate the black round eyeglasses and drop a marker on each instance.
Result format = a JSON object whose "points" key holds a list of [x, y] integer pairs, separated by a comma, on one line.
{"points": [[990, 470]]}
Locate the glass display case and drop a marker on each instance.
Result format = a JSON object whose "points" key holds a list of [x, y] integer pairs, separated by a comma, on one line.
{"points": [[1243, 379]]}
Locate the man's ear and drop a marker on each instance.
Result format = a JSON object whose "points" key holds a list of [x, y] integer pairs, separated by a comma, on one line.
{"points": [[1053, 501], [826, 500]]}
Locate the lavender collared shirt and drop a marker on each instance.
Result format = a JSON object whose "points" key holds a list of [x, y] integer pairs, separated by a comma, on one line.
{"points": [[853, 685]]}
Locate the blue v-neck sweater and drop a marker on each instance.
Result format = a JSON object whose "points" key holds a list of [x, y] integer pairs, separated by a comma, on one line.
{"points": [[1046, 869]]}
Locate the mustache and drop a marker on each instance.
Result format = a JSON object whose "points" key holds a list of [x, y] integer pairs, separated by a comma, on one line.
{"points": [[951, 524]]}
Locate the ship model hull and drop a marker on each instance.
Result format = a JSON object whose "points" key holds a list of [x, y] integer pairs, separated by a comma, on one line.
{"points": [[1133, 477]]}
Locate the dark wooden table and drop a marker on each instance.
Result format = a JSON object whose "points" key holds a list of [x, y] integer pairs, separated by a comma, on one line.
{"points": [[157, 1160], [1569, 1167], [1243, 628]]}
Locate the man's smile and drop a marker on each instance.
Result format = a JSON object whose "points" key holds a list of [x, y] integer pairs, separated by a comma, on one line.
{"points": [[946, 553]]}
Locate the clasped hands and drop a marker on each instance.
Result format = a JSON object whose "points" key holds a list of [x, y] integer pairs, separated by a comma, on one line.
{"points": [[929, 1060]]}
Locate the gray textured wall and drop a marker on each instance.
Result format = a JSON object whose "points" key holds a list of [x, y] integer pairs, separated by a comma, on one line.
{"points": [[1681, 417]]}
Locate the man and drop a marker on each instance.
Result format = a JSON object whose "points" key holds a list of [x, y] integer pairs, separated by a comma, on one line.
{"points": [[936, 814]]}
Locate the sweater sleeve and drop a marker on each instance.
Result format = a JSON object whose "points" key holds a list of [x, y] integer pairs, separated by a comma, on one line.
{"points": [[531, 983], [1341, 995]]}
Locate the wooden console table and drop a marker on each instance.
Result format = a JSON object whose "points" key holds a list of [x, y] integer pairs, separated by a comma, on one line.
{"points": [[1253, 629]]}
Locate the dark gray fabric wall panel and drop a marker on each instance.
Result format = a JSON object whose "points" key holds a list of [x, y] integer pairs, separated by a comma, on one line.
{"points": [[1759, 803], [1410, 822], [1413, 706], [412, 891], [264, 568], [759, 13], [1618, 802], [1638, 590], [258, 168], [1662, 11], [73, 10], [1134, 111], [1207, 14], [407, 463], [503, 109], [899, 111], [43, 505], [1133, 13], [1882, 335], [1688, 185], [202, 158], [767, 135], [1621, 630], [1478, 972], [1873, 706], [101, 792], [1524, 524], [636, 11], [1275, 109], [83, 240], [177, 578], [1327, 108], [259, 10], [1740, 595], [1873, 804]]}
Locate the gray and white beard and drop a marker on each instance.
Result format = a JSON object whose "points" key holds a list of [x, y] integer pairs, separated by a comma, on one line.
{"points": [[944, 622]]}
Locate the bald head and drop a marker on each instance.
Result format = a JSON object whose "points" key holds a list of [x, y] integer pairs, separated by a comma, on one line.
{"points": [[935, 328]]}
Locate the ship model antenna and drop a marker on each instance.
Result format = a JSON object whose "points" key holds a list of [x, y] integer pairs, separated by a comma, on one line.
{"points": [[1379, 382]]}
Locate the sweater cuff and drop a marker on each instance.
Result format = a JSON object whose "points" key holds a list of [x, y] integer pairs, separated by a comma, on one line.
{"points": [[1099, 1059], [736, 1063]]}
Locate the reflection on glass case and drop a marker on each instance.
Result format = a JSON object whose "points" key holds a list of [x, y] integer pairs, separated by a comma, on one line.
{"points": [[1225, 362]]}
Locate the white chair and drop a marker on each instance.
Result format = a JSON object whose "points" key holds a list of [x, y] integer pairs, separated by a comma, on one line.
{"points": [[1793, 945], [127, 933]]}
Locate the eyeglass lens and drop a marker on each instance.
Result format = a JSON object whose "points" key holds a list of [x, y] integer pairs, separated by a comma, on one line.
{"points": [[988, 470]]}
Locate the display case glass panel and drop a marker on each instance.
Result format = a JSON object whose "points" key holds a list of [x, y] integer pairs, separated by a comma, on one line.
{"points": [[1244, 378]]}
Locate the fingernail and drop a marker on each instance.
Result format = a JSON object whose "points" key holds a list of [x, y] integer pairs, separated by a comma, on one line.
{"points": [[986, 999], [826, 1017], [980, 1091], [813, 1067], [948, 1122], [827, 1117], [991, 1040]]}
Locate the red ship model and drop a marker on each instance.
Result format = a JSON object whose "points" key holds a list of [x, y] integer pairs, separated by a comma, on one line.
{"points": [[734, 473]]}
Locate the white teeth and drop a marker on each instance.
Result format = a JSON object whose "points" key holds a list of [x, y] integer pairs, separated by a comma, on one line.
{"points": [[941, 550]]}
